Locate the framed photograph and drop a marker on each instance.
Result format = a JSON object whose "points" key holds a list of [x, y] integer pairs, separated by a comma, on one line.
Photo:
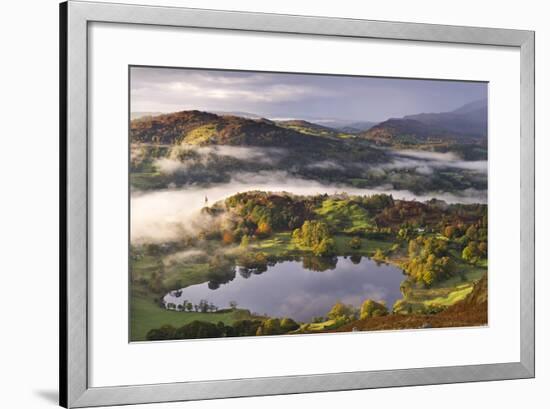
{"points": [[257, 204]]}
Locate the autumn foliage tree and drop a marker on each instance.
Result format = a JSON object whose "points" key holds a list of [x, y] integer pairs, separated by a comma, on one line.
{"points": [[288, 324], [371, 308], [271, 326], [263, 230], [449, 231], [228, 238], [315, 236], [474, 251], [340, 310], [428, 260], [245, 241]]}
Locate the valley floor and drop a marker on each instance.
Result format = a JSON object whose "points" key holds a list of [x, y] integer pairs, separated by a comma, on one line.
{"points": [[146, 314], [441, 248]]}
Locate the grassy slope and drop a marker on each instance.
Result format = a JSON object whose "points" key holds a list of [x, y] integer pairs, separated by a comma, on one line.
{"points": [[281, 244], [309, 130], [468, 312], [317, 326], [317, 131], [344, 217], [175, 276], [277, 244], [201, 134], [146, 315], [443, 293], [446, 292]]}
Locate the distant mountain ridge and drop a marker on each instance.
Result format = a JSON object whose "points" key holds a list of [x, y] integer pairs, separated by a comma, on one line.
{"points": [[463, 126], [469, 122]]}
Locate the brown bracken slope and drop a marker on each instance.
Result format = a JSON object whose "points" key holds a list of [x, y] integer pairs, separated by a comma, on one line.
{"points": [[470, 312]]}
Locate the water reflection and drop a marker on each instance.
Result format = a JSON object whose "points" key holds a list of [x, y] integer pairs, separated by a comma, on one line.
{"points": [[300, 289]]}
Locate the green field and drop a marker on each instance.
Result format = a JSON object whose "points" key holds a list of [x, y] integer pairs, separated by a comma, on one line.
{"points": [[443, 293], [368, 246], [277, 245], [201, 134], [343, 216], [146, 315], [281, 244], [177, 275]]}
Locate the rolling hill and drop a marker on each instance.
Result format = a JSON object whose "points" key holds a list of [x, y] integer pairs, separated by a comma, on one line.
{"points": [[307, 141], [308, 128], [204, 128], [206, 148]]}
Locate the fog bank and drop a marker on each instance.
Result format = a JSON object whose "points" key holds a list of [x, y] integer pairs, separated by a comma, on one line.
{"points": [[169, 214], [427, 162]]}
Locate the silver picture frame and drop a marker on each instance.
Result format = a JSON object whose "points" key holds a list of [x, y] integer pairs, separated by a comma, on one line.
{"points": [[75, 16]]}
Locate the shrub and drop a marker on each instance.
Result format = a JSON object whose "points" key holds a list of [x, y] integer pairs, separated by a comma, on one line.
{"points": [[263, 230], [355, 243], [433, 309], [228, 237], [311, 234], [162, 333], [326, 247], [245, 327], [288, 324], [379, 255], [428, 260], [372, 308], [471, 232], [271, 326], [340, 310], [449, 231], [198, 329], [482, 248], [472, 253], [245, 241]]}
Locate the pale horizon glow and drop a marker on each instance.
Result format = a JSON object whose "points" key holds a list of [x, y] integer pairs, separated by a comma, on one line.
{"points": [[292, 96]]}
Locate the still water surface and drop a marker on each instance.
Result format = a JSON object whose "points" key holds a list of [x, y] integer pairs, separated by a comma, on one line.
{"points": [[288, 289]]}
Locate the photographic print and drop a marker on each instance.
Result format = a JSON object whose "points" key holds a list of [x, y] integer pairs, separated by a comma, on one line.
{"points": [[267, 203]]}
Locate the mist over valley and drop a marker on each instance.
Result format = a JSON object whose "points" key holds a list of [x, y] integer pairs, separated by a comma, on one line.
{"points": [[296, 221]]}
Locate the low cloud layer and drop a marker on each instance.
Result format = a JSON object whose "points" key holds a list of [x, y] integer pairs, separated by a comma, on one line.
{"points": [[326, 164], [425, 163], [170, 214], [209, 154]]}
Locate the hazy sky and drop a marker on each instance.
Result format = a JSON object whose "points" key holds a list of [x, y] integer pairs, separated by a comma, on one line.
{"points": [[295, 95]]}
